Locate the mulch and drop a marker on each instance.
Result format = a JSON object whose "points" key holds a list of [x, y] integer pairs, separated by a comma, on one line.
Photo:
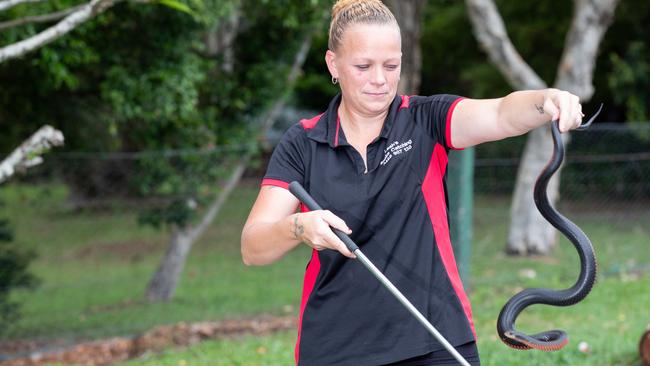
{"points": [[120, 349]]}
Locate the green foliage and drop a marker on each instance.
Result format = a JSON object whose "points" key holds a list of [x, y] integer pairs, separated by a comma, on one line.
{"points": [[134, 80], [177, 5], [220, 114], [630, 80], [314, 89], [454, 63], [13, 274], [451, 59]]}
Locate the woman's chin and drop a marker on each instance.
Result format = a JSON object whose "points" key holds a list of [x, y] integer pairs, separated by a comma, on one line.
{"points": [[377, 104]]}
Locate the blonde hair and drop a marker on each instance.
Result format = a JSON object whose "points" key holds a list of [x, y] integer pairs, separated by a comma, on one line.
{"points": [[346, 13]]}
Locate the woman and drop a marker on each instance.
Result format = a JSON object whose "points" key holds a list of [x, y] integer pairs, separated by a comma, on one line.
{"points": [[377, 162]]}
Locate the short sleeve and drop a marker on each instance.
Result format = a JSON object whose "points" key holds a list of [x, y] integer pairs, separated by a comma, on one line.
{"points": [[287, 161], [434, 113]]}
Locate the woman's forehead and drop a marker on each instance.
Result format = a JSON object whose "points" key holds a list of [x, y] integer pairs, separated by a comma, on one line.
{"points": [[368, 40]]}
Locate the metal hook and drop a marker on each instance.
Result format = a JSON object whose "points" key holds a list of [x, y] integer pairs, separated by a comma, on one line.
{"points": [[586, 125]]}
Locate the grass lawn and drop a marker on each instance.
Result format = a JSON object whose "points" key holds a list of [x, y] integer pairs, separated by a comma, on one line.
{"points": [[95, 266], [94, 269]]}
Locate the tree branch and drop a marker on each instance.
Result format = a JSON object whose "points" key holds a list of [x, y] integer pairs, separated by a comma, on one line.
{"points": [[28, 153], [491, 33], [221, 38], [590, 22], [8, 4], [68, 23], [39, 18]]}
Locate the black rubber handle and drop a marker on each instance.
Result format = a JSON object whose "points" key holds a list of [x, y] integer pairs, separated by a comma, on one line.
{"points": [[304, 197]]}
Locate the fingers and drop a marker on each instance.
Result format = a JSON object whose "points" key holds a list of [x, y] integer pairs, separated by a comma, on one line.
{"points": [[566, 108], [335, 243], [565, 111], [319, 232], [574, 119], [337, 223]]}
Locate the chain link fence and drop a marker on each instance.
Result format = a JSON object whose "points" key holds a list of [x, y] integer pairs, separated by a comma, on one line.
{"points": [[606, 170]]}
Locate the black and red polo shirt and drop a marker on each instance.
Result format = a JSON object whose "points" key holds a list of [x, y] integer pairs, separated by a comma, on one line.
{"points": [[397, 211]]}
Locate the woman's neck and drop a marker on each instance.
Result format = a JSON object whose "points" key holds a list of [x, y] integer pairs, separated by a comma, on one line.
{"points": [[360, 125]]}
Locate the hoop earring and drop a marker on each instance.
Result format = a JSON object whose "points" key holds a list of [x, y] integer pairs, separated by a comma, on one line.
{"points": [[335, 80]]}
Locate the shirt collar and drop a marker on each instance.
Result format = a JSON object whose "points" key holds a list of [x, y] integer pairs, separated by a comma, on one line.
{"points": [[328, 130]]}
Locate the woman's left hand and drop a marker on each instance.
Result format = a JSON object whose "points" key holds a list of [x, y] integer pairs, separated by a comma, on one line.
{"points": [[566, 107]]}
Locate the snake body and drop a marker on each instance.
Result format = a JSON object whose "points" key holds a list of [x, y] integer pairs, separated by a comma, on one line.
{"points": [[551, 340]]}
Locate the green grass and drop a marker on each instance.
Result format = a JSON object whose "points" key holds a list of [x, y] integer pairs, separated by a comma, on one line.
{"points": [[95, 268], [275, 349], [611, 319]]}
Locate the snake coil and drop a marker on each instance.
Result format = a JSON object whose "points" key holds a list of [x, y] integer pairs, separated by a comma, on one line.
{"points": [[551, 340]]}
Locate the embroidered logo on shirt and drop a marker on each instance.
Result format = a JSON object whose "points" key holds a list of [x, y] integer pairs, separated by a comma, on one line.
{"points": [[395, 149]]}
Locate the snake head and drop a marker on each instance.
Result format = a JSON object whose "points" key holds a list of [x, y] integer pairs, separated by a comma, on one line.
{"points": [[552, 340]]}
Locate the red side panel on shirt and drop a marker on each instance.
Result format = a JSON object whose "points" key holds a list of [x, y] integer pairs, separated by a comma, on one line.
{"points": [[450, 112], [314, 264], [307, 287], [434, 196]]}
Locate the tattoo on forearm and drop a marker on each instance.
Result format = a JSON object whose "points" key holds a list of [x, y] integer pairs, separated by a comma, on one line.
{"points": [[540, 108], [298, 229]]}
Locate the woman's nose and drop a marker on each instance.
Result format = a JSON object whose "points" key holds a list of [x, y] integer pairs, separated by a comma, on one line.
{"points": [[378, 76]]}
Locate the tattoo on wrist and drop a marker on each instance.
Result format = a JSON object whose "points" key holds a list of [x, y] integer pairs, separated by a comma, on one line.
{"points": [[298, 229], [540, 108]]}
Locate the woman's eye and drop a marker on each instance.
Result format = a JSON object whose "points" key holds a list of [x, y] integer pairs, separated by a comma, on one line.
{"points": [[391, 67], [362, 67]]}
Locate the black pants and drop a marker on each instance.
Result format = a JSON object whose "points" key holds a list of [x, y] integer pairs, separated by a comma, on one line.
{"points": [[443, 357]]}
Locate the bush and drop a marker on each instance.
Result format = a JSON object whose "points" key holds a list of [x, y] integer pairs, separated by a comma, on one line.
{"points": [[13, 274]]}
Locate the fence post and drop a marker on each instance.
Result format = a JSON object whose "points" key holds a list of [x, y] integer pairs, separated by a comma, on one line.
{"points": [[460, 183]]}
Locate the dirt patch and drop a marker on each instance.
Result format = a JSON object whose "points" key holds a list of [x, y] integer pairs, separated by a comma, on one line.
{"points": [[120, 349], [127, 303], [128, 251]]}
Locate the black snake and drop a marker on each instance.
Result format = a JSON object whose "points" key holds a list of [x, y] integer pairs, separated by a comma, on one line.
{"points": [[551, 340]]}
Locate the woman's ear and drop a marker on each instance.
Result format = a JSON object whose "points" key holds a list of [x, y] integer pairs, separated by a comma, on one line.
{"points": [[330, 59]]}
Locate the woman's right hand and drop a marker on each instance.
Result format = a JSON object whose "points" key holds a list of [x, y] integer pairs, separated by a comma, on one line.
{"points": [[315, 229]]}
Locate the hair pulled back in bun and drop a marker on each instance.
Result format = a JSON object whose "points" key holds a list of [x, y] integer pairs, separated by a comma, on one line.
{"points": [[346, 13]]}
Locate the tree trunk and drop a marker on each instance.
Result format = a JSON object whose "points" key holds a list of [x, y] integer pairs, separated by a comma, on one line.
{"points": [[529, 232], [408, 14], [163, 284]]}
